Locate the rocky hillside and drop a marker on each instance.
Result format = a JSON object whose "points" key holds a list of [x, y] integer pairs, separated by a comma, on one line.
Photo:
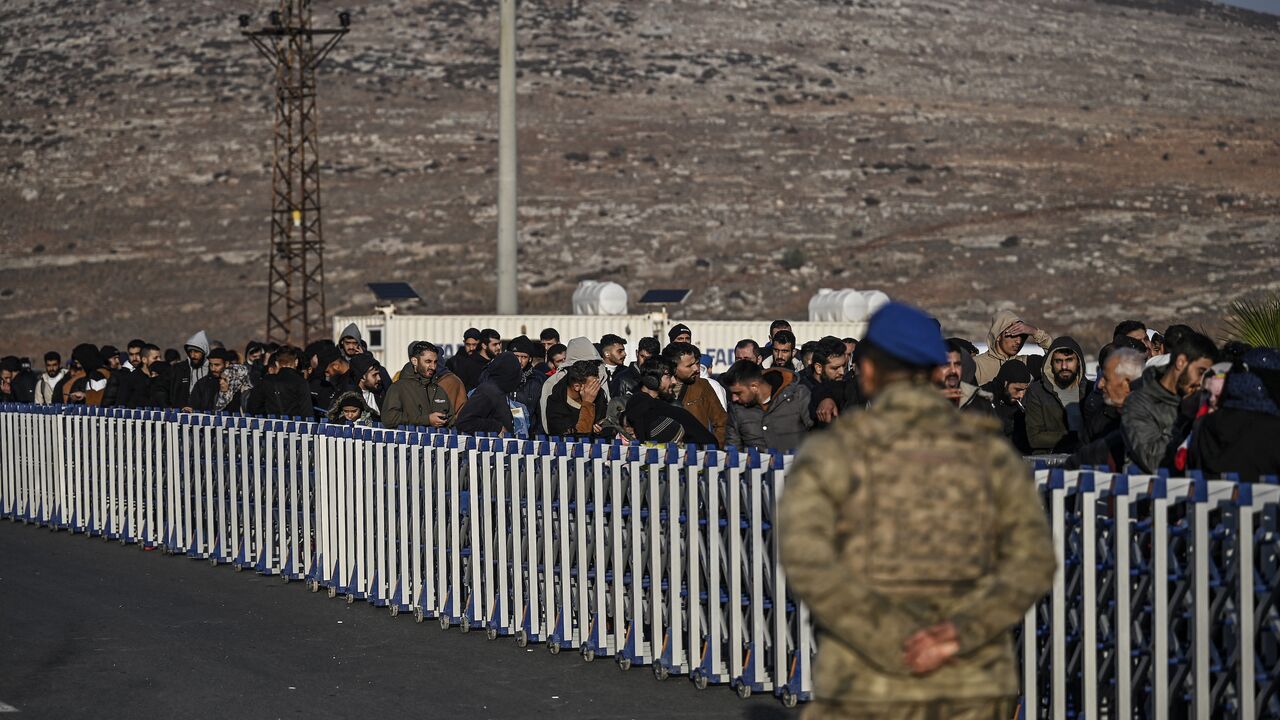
{"points": [[1081, 160]]}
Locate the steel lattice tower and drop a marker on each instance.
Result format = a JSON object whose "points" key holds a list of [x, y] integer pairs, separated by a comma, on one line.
{"points": [[295, 303]]}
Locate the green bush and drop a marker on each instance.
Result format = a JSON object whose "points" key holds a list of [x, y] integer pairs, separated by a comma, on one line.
{"points": [[1256, 321], [792, 259]]}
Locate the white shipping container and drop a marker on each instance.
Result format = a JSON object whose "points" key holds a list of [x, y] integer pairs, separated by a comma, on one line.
{"points": [[389, 336]]}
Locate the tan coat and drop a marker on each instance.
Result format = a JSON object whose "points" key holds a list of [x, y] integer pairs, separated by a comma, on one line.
{"points": [[702, 403], [904, 516], [990, 361]]}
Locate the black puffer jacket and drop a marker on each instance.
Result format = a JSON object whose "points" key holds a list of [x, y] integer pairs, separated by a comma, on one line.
{"points": [[285, 394], [487, 409]]}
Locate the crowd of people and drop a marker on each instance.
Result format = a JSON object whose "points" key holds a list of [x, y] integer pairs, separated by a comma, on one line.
{"points": [[1173, 400]]}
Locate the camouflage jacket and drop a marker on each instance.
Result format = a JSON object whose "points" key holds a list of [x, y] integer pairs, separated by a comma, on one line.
{"points": [[899, 518]]}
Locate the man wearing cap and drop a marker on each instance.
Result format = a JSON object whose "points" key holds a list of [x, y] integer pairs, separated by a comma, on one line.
{"points": [[368, 377], [1005, 340], [915, 535], [470, 341], [680, 333]]}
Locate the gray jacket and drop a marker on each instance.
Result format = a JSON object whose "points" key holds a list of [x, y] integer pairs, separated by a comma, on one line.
{"points": [[1147, 423], [782, 427]]}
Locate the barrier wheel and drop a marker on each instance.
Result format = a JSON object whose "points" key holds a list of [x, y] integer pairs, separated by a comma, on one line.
{"points": [[699, 679], [314, 586], [743, 690], [213, 562], [419, 616], [444, 622], [624, 663], [394, 609], [238, 567], [351, 598], [492, 633], [522, 638], [660, 671], [333, 592], [286, 579], [588, 653], [789, 698], [465, 624]]}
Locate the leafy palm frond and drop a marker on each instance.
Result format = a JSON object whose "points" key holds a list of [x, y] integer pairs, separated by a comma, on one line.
{"points": [[1256, 321]]}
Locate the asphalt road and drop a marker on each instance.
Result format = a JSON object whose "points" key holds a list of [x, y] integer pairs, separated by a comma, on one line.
{"points": [[90, 629]]}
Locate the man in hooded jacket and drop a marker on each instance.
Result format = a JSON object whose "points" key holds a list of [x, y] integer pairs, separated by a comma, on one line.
{"points": [[184, 376], [487, 409], [1005, 340], [1055, 402], [579, 349]]}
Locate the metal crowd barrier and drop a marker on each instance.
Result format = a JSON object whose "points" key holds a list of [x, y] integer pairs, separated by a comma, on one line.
{"points": [[1165, 603]]}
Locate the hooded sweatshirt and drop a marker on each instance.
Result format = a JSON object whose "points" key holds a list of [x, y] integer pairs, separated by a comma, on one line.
{"points": [[487, 409], [201, 341], [989, 362], [1055, 423], [351, 331], [579, 348]]}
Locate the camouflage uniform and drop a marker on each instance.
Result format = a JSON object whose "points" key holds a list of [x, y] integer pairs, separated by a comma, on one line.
{"points": [[899, 518]]}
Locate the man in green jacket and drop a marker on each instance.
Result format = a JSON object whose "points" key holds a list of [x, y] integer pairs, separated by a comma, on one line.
{"points": [[415, 398], [915, 535]]}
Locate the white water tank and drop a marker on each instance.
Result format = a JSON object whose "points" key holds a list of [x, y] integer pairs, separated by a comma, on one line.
{"points": [[845, 305], [599, 298]]}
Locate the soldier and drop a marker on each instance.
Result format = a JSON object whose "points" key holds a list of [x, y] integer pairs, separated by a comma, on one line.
{"points": [[915, 535]]}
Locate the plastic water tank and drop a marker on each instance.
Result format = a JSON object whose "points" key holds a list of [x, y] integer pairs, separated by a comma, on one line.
{"points": [[599, 298], [845, 305], [875, 299]]}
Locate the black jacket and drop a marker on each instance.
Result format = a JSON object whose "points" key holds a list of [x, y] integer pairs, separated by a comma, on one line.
{"points": [[660, 422], [623, 381], [204, 395], [179, 391], [1100, 419], [324, 391], [467, 366], [1013, 421], [24, 387], [285, 394], [1236, 441], [487, 409]]}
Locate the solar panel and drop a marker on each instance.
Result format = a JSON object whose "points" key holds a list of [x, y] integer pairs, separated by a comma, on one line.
{"points": [[393, 291], [664, 297]]}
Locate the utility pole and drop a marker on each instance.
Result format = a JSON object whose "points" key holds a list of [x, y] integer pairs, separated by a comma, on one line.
{"points": [[508, 303], [295, 293]]}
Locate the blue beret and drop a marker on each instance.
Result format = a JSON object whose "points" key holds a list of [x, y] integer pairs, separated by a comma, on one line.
{"points": [[908, 334]]}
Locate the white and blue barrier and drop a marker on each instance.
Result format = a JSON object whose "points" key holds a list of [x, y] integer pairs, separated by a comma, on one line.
{"points": [[1165, 604]]}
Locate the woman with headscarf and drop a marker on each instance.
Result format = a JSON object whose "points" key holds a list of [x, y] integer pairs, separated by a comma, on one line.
{"points": [[87, 382], [233, 390], [1240, 437]]}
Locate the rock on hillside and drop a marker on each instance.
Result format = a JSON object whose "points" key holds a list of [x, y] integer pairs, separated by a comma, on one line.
{"points": [[1080, 160]]}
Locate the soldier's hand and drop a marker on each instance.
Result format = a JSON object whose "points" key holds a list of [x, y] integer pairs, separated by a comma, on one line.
{"points": [[931, 648], [827, 410]]}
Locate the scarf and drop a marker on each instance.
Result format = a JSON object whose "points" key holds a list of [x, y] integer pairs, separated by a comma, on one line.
{"points": [[237, 377]]}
